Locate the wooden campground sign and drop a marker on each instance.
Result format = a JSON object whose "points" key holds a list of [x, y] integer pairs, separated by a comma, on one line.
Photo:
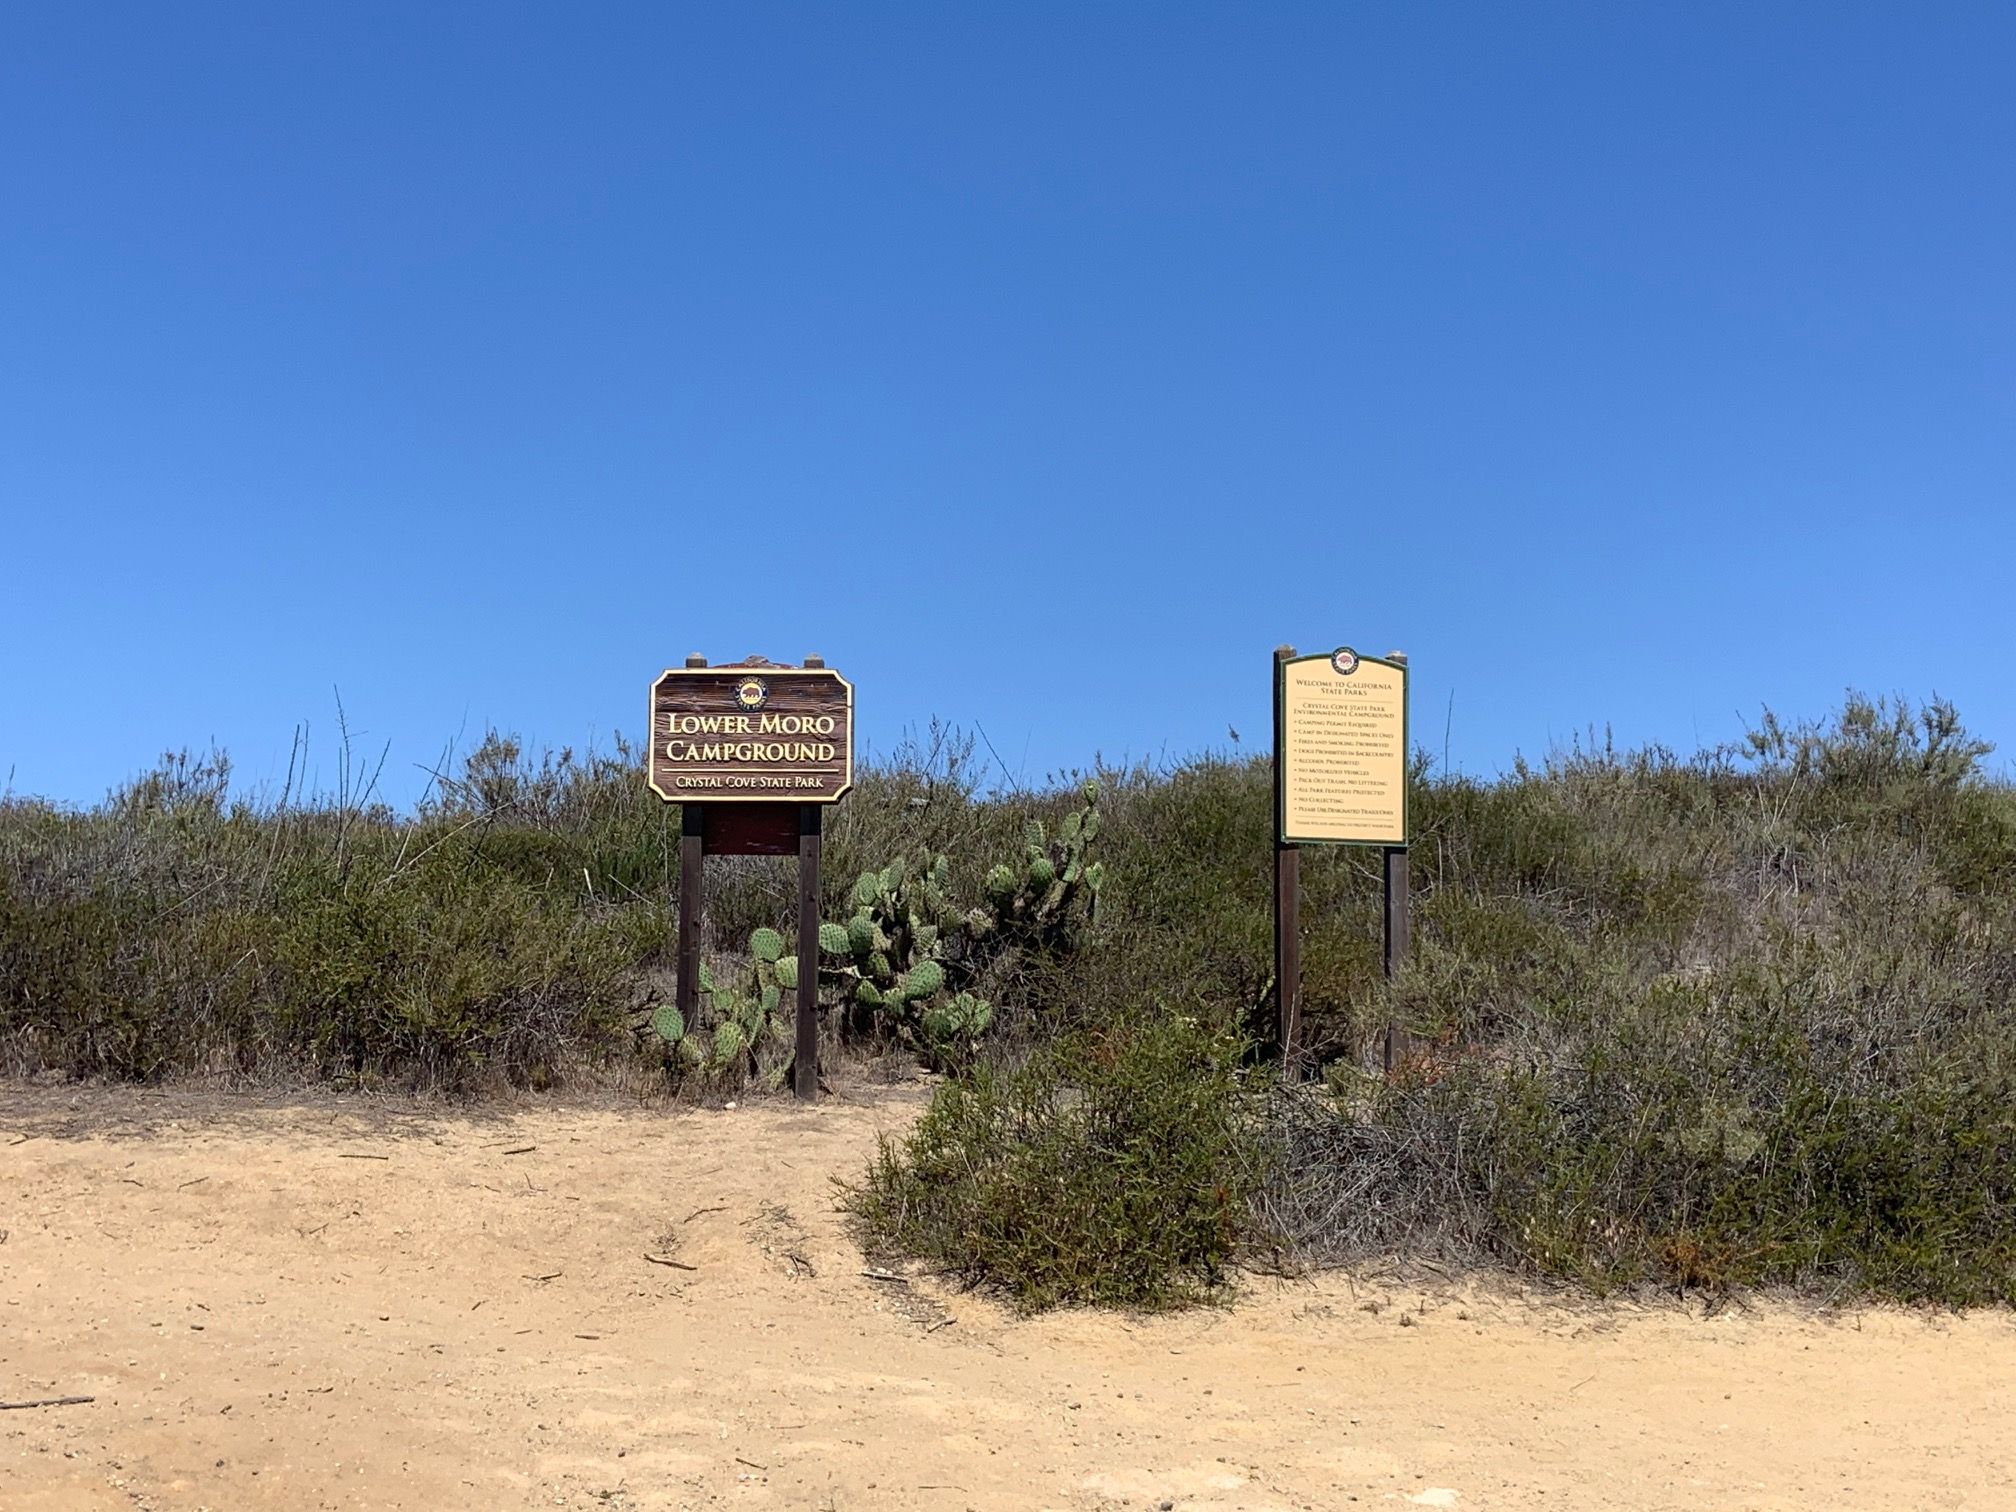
{"points": [[752, 733], [751, 752], [1340, 742]]}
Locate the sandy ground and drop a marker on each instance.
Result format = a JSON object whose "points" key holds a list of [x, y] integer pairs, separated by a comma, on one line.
{"points": [[331, 1304]]}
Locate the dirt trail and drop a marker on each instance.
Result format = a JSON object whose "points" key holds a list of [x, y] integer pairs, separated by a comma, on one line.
{"points": [[340, 1305]]}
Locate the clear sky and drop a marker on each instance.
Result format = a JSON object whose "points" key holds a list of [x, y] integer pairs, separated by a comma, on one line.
{"points": [[1041, 366]]}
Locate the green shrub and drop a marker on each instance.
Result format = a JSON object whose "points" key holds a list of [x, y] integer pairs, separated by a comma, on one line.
{"points": [[1744, 1020], [1111, 1167]]}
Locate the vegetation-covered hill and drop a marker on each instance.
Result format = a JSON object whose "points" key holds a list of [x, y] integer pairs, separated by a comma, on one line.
{"points": [[1745, 1016]]}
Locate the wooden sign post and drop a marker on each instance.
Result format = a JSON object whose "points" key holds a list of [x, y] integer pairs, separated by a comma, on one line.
{"points": [[752, 752], [1340, 778]]}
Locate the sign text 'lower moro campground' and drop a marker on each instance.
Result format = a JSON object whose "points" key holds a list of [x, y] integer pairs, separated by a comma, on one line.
{"points": [[1341, 749], [752, 733]]}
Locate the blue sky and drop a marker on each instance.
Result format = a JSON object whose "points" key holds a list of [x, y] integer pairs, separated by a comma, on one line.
{"points": [[1041, 366]]}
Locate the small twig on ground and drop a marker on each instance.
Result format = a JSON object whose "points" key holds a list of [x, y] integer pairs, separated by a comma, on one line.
{"points": [[363, 1157], [522, 1150], [664, 1260], [549, 1276], [941, 1323], [47, 1402], [750, 1463], [192, 1182], [877, 1275], [698, 1211]]}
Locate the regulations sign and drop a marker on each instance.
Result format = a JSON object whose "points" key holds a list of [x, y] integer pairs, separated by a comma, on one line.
{"points": [[1340, 745], [752, 733]]}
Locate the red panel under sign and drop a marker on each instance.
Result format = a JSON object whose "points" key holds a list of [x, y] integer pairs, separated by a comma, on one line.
{"points": [[751, 829]]}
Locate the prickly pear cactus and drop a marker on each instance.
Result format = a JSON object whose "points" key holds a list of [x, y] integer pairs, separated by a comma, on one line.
{"points": [[904, 955], [924, 980], [1033, 904], [955, 1024]]}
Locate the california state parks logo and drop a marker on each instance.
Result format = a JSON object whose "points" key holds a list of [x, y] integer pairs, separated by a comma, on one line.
{"points": [[1344, 661], [751, 693]]}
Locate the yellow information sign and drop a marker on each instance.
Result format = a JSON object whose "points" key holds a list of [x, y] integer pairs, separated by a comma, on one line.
{"points": [[1340, 747]]}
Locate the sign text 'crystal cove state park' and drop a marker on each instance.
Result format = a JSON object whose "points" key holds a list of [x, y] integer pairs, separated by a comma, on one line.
{"points": [[752, 732]]}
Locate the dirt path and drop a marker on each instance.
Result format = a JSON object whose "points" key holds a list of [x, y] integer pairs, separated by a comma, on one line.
{"points": [[337, 1305]]}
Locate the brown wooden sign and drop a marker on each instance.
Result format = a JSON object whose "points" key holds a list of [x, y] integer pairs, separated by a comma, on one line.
{"points": [[749, 752], [752, 732]]}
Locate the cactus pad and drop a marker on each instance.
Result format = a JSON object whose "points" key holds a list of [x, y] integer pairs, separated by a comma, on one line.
{"points": [[923, 980]]}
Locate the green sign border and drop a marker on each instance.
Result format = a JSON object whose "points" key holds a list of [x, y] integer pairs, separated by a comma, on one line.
{"points": [[1281, 666]]}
